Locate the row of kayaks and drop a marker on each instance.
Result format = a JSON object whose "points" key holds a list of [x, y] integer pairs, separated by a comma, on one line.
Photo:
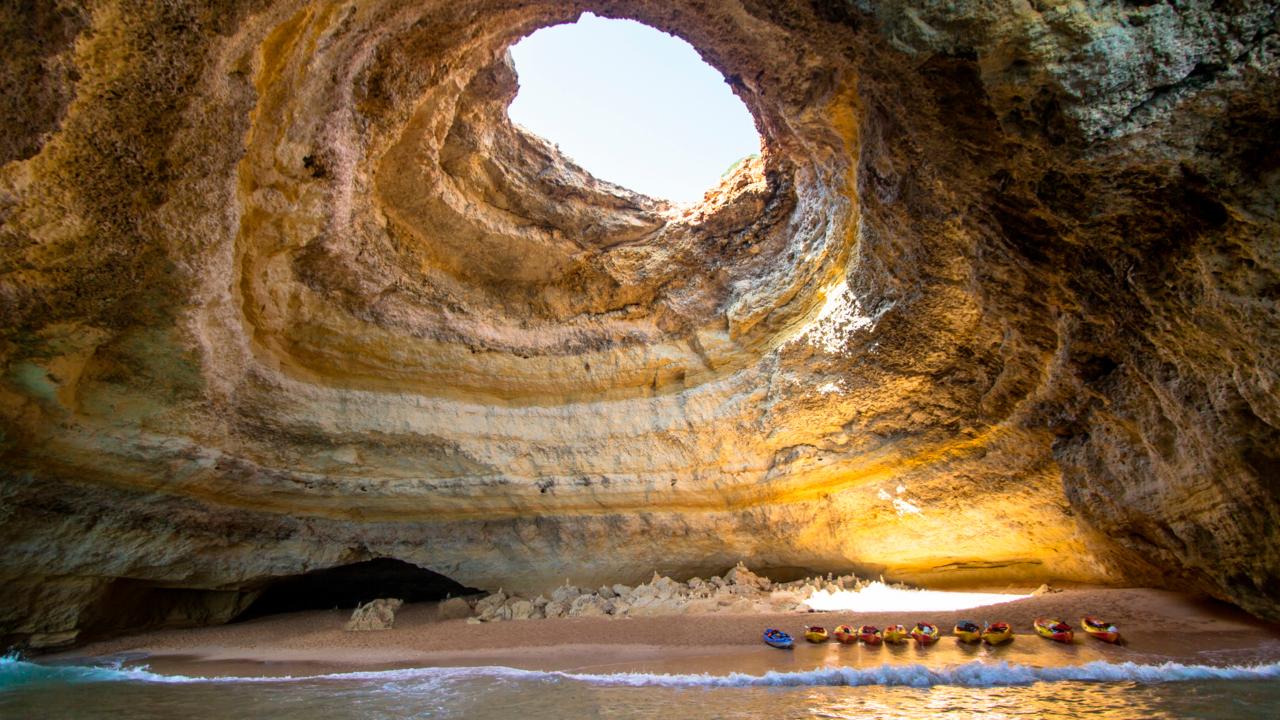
{"points": [[924, 634]]}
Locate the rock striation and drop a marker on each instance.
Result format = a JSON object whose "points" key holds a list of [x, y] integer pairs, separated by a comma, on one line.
{"points": [[282, 288]]}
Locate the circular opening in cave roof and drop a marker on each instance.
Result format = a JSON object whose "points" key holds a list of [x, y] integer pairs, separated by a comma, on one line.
{"points": [[633, 106]]}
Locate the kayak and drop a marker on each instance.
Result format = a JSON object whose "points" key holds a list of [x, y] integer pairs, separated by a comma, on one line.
{"points": [[925, 633], [777, 638], [870, 634], [815, 634], [1055, 630], [997, 633], [894, 634], [968, 631], [1101, 629], [845, 635]]}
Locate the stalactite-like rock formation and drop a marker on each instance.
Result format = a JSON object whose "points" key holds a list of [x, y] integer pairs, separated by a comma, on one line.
{"points": [[282, 288]]}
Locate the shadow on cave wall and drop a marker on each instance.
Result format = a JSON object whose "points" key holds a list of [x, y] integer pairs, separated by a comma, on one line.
{"points": [[346, 586], [127, 605]]}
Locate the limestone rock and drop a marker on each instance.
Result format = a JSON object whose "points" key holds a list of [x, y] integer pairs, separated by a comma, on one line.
{"points": [[494, 607], [282, 287], [556, 608], [740, 575], [589, 606], [377, 614], [566, 593], [453, 609], [522, 610], [491, 602]]}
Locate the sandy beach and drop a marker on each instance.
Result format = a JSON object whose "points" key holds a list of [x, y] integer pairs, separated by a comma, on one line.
{"points": [[1157, 626]]}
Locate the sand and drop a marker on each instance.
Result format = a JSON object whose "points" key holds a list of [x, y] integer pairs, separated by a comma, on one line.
{"points": [[1157, 626]]}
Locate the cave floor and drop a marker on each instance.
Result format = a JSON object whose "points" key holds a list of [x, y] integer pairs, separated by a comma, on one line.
{"points": [[1157, 625]]}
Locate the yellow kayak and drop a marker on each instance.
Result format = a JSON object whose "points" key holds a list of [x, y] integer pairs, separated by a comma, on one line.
{"points": [[925, 633], [894, 634], [1101, 629], [1055, 630], [815, 634], [967, 631], [997, 633]]}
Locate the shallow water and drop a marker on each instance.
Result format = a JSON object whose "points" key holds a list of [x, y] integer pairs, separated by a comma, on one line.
{"points": [[986, 688]]}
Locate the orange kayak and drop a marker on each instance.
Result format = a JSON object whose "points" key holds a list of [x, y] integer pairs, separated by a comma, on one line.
{"points": [[845, 635], [870, 634]]}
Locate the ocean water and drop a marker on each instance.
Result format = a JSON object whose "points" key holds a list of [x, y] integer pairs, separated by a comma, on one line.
{"points": [[1098, 689]]}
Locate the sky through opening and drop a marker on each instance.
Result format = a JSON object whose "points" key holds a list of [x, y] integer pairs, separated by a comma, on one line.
{"points": [[631, 105]]}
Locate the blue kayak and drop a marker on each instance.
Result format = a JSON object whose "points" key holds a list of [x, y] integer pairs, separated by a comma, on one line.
{"points": [[777, 638]]}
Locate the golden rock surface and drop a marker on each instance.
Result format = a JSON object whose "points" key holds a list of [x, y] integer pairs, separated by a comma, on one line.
{"points": [[283, 288]]}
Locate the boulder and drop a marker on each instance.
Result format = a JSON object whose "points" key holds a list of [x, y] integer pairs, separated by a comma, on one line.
{"points": [[521, 610], [565, 593], [589, 606], [491, 600], [453, 609], [740, 575], [490, 606], [556, 608], [642, 592], [377, 614], [655, 606]]}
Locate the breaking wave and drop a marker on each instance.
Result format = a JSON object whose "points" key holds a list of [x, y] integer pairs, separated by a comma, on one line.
{"points": [[15, 672]]}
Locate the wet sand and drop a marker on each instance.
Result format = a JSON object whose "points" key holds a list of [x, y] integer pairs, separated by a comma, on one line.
{"points": [[1157, 626]]}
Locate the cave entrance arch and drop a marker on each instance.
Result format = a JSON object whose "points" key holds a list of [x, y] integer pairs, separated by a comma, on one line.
{"points": [[633, 106], [346, 586]]}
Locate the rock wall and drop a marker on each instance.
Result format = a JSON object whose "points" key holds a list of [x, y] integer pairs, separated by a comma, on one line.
{"points": [[282, 288]]}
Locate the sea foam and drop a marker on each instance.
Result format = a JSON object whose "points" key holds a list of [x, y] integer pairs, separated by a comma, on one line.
{"points": [[15, 672]]}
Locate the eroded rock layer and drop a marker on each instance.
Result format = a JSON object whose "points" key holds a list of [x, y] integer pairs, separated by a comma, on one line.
{"points": [[284, 289]]}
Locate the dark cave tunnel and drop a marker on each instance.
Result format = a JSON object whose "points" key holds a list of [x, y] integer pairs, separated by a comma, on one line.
{"points": [[346, 586]]}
